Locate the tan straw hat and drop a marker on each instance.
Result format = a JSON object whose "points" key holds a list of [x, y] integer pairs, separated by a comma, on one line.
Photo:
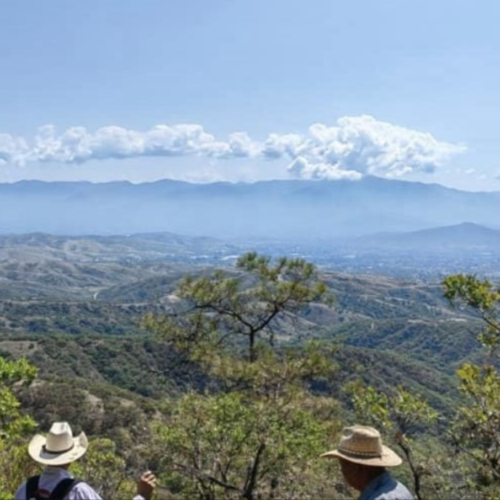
{"points": [[59, 447], [363, 445]]}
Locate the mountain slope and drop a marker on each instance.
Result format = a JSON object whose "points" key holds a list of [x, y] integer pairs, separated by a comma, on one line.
{"points": [[80, 267], [121, 362], [461, 237]]}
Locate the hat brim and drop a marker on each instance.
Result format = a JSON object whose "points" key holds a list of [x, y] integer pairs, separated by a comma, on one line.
{"points": [[388, 458], [37, 452]]}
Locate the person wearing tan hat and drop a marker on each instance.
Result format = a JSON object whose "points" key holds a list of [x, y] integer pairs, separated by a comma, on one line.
{"points": [[57, 452], [363, 461]]}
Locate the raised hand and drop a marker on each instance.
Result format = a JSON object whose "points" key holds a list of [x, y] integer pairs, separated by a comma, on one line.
{"points": [[146, 485]]}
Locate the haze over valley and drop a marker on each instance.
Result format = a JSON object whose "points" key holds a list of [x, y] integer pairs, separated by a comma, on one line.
{"points": [[292, 210], [418, 230]]}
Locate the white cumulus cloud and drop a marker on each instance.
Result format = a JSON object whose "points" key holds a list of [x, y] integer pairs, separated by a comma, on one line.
{"points": [[77, 145], [303, 168], [13, 150], [353, 147], [361, 145]]}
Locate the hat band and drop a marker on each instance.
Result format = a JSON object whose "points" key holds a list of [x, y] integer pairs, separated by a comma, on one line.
{"points": [[361, 454], [44, 448]]}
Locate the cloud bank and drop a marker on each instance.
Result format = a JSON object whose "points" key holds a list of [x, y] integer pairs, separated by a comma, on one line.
{"points": [[353, 147]]}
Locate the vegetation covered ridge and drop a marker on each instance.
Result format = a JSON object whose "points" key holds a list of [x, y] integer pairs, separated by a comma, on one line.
{"points": [[222, 401]]}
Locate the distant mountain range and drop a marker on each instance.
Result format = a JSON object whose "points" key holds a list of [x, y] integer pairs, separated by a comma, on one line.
{"points": [[294, 210], [463, 237]]}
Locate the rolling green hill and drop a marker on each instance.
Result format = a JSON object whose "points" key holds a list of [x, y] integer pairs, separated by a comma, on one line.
{"points": [[73, 306]]}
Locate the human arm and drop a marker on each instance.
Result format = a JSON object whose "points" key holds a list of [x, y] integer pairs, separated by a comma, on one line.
{"points": [[145, 486]]}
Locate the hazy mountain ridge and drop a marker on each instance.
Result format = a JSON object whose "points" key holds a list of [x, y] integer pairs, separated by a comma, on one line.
{"points": [[40, 265], [289, 209], [466, 236], [92, 248]]}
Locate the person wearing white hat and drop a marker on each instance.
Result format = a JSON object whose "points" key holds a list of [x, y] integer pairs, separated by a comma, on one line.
{"points": [[363, 461], [57, 452]]}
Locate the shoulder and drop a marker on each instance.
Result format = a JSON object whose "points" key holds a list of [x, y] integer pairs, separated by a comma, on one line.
{"points": [[398, 492], [387, 488], [21, 492], [83, 491]]}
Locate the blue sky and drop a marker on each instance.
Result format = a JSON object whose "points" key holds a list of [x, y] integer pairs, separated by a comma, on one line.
{"points": [[378, 75]]}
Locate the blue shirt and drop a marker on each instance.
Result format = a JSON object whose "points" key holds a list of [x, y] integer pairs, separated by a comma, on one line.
{"points": [[385, 487]]}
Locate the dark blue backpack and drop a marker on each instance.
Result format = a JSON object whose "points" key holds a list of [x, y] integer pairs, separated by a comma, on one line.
{"points": [[58, 493]]}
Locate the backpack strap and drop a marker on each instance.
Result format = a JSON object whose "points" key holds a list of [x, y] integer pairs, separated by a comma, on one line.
{"points": [[63, 488], [32, 488]]}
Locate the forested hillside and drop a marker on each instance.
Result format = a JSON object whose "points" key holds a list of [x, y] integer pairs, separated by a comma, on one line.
{"points": [[260, 363]]}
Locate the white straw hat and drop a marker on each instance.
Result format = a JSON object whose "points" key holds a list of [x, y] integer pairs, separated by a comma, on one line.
{"points": [[59, 447], [363, 445]]}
